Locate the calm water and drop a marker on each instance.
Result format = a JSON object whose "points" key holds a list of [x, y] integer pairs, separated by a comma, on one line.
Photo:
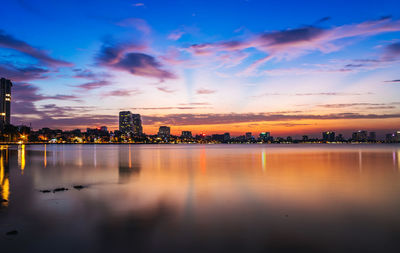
{"points": [[200, 198]]}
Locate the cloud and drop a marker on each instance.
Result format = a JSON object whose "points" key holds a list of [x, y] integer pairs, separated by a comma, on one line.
{"points": [[138, 4], [176, 35], [93, 85], [137, 23], [314, 94], [291, 43], [26, 92], [165, 89], [393, 81], [172, 108], [231, 118], [122, 93], [205, 91], [8, 41], [392, 51], [18, 74], [121, 58]]}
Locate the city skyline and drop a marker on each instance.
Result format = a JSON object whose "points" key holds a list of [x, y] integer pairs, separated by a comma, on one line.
{"points": [[326, 70]]}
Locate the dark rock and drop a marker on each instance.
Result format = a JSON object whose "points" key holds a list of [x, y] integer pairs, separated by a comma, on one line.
{"points": [[12, 232], [79, 187], [60, 189], [45, 191]]}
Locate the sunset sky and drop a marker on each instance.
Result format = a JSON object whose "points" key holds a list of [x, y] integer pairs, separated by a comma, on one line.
{"points": [[288, 67]]}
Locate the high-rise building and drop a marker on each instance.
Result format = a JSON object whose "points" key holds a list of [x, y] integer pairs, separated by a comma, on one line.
{"points": [[137, 125], [360, 135], [265, 136], [328, 136], [372, 136], [5, 102], [186, 135], [125, 122], [248, 136], [164, 132]]}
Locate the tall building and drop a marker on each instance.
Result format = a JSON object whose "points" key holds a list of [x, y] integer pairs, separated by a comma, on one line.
{"points": [[265, 136], [360, 135], [186, 135], [137, 125], [328, 136], [5, 102], [125, 122], [164, 132], [248, 136]]}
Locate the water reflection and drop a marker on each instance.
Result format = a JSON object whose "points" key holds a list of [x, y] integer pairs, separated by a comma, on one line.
{"points": [[4, 176], [128, 162], [200, 198]]}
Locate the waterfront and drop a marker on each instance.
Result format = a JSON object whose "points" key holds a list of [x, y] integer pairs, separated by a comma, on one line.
{"points": [[200, 198]]}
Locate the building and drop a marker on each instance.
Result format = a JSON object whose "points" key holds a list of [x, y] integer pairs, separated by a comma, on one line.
{"points": [[248, 136], [125, 122], [5, 102], [227, 137], [186, 135], [328, 136], [103, 129], [360, 135], [137, 125], [265, 136], [372, 136], [164, 132]]}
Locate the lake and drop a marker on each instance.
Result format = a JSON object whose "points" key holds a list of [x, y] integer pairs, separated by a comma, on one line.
{"points": [[200, 198]]}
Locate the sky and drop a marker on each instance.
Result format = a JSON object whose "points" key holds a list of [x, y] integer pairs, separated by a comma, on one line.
{"points": [[287, 67]]}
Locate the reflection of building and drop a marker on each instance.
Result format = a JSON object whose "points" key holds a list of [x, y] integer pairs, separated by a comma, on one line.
{"points": [[128, 163], [4, 177], [164, 132], [5, 101], [328, 136]]}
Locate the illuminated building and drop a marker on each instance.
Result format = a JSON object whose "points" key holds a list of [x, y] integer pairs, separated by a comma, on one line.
{"points": [[360, 135], [164, 132], [137, 125], [125, 122], [186, 135], [265, 136], [328, 136], [5, 102], [248, 136], [372, 136]]}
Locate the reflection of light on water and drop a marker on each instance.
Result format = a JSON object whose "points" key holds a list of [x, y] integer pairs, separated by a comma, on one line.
{"points": [[130, 158], [5, 184], [203, 164], [398, 160], [45, 156], [360, 160], [263, 160], [21, 158], [94, 157]]}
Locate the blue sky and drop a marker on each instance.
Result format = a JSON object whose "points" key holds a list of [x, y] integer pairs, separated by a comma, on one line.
{"points": [[207, 66]]}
